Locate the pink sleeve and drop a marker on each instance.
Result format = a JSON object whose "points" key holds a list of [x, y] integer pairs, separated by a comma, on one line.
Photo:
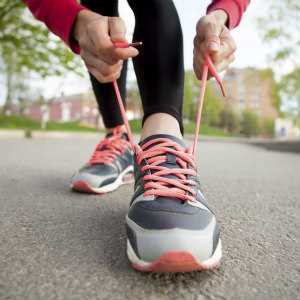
{"points": [[59, 17], [233, 8]]}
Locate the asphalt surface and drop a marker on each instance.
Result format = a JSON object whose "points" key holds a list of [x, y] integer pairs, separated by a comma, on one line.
{"points": [[55, 244]]}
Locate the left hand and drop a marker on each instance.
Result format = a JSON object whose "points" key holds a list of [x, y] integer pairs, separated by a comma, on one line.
{"points": [[214, 38]]}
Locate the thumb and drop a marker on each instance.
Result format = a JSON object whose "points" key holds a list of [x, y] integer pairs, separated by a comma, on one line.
{"points": [[212, 39], [117, 29]]}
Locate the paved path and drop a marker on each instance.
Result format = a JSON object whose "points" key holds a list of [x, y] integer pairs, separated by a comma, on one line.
{"points": [[55, 244]]}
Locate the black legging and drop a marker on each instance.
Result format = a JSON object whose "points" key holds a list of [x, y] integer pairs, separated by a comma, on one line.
{"points": [[159, 65]]}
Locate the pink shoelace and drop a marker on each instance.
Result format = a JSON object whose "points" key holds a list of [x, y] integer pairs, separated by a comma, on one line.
{"points": [[154, 152], [107, 150]]}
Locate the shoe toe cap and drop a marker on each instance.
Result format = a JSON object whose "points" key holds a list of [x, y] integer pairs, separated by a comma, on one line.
{"points": [[168, 213], [95, 177], [154, 232]]}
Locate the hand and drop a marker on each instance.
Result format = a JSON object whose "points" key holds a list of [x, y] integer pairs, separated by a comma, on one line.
{"points": [[214, 38], [95, 35]]}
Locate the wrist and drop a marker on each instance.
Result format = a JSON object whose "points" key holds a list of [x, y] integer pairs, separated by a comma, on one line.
{"points": [[220, 15]]}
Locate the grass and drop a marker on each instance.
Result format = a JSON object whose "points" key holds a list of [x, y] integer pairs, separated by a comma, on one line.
{"points": [[19, 122], [189, 128], [206, 130]]}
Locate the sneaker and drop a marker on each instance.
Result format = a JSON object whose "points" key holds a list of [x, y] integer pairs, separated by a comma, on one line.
{"points": [[170, 227], [110, 166]]}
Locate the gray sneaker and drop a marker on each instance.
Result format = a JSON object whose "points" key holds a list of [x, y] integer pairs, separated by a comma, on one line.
{"points": [[170, 227], [110, 166]]}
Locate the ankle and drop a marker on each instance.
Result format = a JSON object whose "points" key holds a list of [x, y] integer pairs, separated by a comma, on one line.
{"points": [[161, 123]]}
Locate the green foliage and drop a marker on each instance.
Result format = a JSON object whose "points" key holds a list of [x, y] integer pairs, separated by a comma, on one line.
{"points": [[212, 107], [205, 129], [249, 124], [229, 120], [290, 83], [19, 122], [136, 125], [268, 127], [280, 30], [189, 128], [27, 47], [191, 91], [268, 74]]}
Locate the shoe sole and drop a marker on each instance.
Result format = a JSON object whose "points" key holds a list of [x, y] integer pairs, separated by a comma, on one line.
{"points": [[175, 261], [126, 177]]}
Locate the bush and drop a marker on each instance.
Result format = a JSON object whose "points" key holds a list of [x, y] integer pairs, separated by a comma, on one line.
{"points": [[189, 128], [268, 127], [250, 124], [212, 108], [136, 125], [229, 120]]}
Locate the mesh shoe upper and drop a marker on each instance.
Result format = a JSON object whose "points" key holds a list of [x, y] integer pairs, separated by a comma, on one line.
{"points": [[161, 213], [110, 158]]}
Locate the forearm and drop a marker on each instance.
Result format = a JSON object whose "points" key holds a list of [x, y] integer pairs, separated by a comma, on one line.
{"points": [[58, 15]]}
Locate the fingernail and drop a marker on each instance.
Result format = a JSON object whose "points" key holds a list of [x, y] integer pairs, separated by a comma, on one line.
{"points": [[213, 46]]}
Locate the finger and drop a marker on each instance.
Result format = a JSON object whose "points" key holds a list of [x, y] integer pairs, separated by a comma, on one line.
{"points": [[125, 53], [107, 52], [211, 37], [101, 66], [225, 63], [117, 29], [228, 47], [101, 44], [102, 78], [98, 32], [227, 38]]}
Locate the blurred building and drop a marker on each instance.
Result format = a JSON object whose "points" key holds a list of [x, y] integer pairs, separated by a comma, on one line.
{"points": [[285, 128], [82, 108], [79, 107], [251, 89]]}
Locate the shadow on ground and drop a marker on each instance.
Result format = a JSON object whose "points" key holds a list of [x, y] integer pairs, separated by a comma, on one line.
{"points": [[281, 146]]}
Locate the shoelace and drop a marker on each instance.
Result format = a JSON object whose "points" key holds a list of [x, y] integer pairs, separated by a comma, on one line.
{"points": [[107, 150], [160, 180], [157, 179]]}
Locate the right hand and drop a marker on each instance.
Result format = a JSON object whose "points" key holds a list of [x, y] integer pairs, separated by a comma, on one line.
{"points": [[95, 35]]}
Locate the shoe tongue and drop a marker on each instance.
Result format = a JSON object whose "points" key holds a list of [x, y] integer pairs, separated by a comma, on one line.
{"points": [[171, 158], [165, 136], [124, 136]]}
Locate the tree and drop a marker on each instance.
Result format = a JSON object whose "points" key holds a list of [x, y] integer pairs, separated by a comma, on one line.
{"points": [[268, 75], [280, 31], [249, 123], [191, 91], [212, 105], [229, 120], [268, 127], [27, 47]]}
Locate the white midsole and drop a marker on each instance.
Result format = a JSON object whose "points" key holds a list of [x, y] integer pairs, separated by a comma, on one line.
{"points": [[114, 185], [136, 260]]}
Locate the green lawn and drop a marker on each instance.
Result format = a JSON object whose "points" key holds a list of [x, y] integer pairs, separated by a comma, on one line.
{"points": [[206, 130], [18, 122], [189, 128]]}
